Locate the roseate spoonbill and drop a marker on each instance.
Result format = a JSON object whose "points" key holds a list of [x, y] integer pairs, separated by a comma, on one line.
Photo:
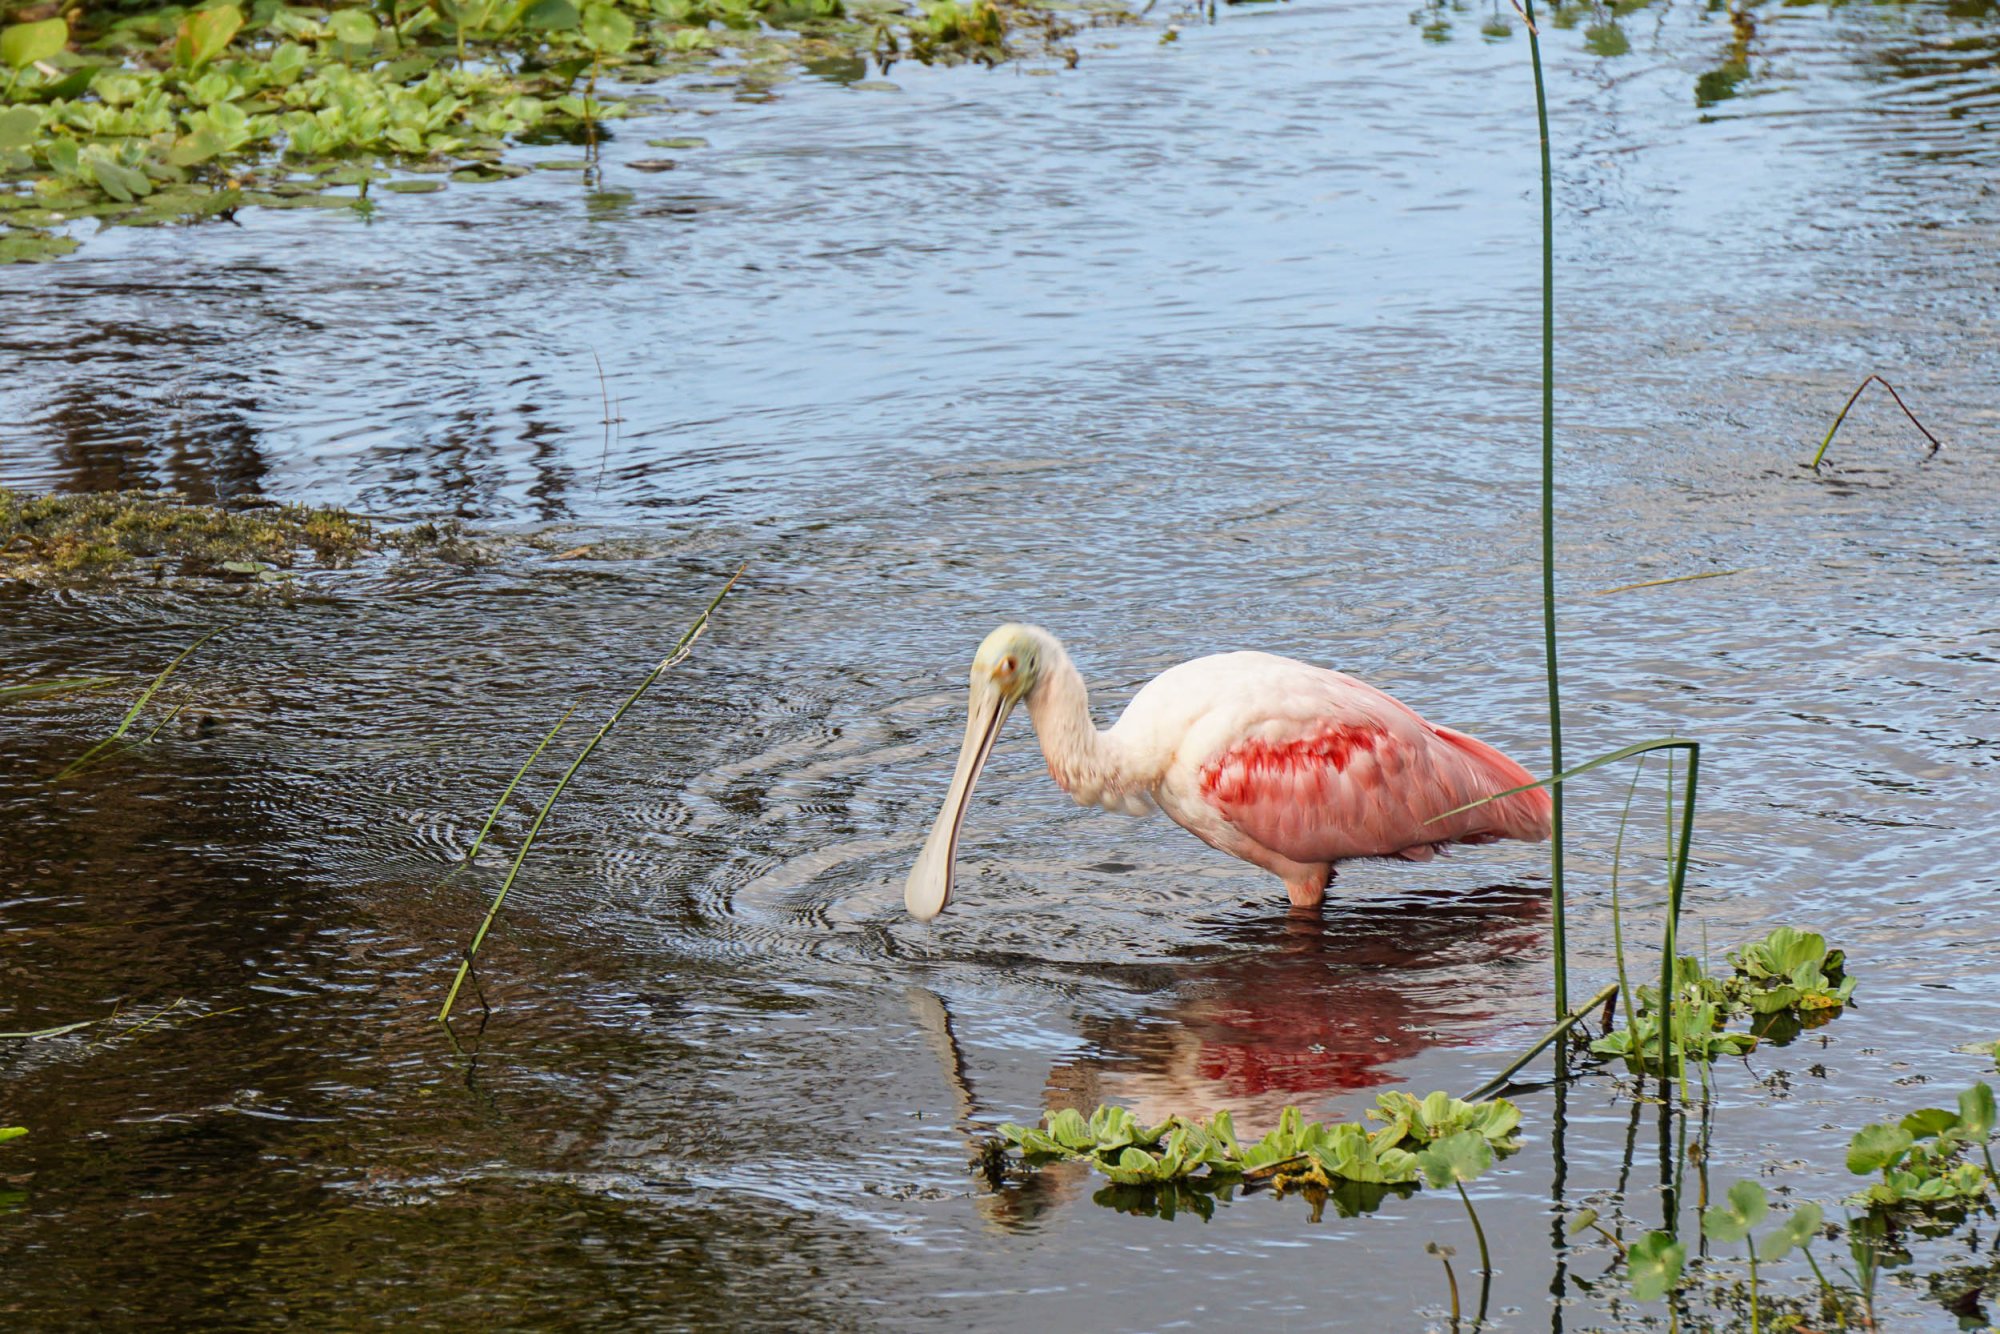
{"points": [[1289, 766]]}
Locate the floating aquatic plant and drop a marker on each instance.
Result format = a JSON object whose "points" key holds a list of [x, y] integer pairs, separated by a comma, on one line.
{"points": [[1418, 1138], [1743, 1208], [1697, 1033], [1922, 1157], [1792, 970], [170, 114], [1787, 974]]}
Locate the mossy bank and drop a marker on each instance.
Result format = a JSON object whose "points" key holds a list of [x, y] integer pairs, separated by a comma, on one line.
{"points": [[161, 534]]}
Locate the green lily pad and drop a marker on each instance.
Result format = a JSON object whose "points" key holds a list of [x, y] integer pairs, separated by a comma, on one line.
{"points": [[1741, 1211], [683, 141], [1799, 1227], [18, 247], [1456, 1159], [1876, 1147], [22, 44], [1976, 1113], [19, 126], [561, 164], [414, 187], [1655, 1264]]}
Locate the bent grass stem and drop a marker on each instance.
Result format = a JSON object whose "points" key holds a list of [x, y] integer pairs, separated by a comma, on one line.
{"points": [[1852, 398], [1617, 919], [680, 652], [1569, 1021], [1676, 579]]}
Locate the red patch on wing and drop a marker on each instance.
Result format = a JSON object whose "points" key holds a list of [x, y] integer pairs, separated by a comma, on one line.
{"points": [[1249, 770]]}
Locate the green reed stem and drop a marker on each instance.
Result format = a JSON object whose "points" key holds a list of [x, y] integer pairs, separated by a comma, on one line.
{"points": [[1451, 1281], [1755, 1324], [65, 686], [145, 696], [1478, 1232], [680, 652], [1670, 944], [1557, 936], [513, 782], [1827, 1292]]}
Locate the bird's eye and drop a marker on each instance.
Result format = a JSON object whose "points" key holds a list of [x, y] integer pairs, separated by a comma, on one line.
{"points": [[1007, 664]]}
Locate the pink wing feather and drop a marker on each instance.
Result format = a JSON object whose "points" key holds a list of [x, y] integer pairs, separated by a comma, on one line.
{"points": [[1362, 779]]}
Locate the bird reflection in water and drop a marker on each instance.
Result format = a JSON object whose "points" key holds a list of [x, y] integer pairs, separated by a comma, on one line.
{"points": [[1275, 1012]]}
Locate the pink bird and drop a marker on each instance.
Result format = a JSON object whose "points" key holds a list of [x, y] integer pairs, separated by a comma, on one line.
{"points": [[1289, 766]]}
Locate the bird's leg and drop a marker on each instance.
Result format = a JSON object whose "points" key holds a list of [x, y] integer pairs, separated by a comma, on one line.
{"points": [[1306, 887]]}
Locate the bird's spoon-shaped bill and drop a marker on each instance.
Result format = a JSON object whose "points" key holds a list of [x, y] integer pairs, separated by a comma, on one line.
{"points": [[929, 886]]}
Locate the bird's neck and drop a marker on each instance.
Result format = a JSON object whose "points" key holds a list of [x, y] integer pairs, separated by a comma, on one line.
{"points": [[1088, 764]]}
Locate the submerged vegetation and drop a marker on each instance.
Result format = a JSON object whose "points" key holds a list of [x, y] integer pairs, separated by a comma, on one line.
{"points": [[175, 112]]}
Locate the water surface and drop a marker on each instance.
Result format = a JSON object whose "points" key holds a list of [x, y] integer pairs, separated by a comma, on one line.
{"points": [[1228, 342]]}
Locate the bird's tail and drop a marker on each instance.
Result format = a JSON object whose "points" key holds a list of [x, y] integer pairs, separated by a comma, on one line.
{"points": [[1523, 815]]}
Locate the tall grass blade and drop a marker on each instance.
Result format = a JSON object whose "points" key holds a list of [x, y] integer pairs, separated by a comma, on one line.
{"points": [[1558, 938], [512, 783], [39, 1034], [679, 654], [138, 704], [68, 685], [1936, 444]]}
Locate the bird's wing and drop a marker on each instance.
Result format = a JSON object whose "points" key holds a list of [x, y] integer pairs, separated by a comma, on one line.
{"points": [[1318, 766]]}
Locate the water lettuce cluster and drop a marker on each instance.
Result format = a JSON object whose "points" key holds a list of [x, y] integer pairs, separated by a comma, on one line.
{"points": [[1787, 980], [1789, 970], [177, 113], [1440, 1139], [1922, 1158]]}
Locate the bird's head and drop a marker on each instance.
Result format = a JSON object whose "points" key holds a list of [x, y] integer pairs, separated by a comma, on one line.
{"points": [[1005, 671], [1009, 663]]}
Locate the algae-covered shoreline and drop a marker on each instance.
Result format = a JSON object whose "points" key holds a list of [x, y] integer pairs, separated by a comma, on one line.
{"points": [[84, 537]]}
